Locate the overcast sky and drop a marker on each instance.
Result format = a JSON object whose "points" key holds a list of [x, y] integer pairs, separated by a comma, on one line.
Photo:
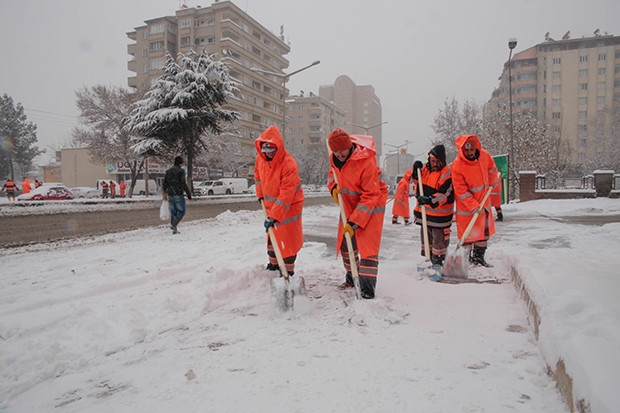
{"points": [[415, 54]]}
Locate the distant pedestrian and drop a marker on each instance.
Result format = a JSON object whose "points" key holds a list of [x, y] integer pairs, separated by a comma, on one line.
{"points": [[37, 183], [26, 187], [104, 189], [122, 186], [10, 188], [112, 189], [401, 199], [174, 186]]}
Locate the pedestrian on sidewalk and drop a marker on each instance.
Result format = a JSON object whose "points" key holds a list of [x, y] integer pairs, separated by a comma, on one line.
{"points": [[473, 173], [364, 195], [174, 186], [278, 188], [400, 208], [438, 200]]}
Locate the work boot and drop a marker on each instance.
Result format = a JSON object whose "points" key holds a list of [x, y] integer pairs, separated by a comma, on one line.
{"points": [[395, 220], [477, 256], [271, 267], [348, 282], [407, 222]]}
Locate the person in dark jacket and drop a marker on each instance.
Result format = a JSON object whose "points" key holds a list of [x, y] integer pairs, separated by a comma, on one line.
{"points": [[174, 186], [438, 199]]}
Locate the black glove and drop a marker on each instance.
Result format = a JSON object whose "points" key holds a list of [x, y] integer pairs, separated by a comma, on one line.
{"points": [[260, 200], [425, 200], [500, 216], [417, 165], [269, 222]]}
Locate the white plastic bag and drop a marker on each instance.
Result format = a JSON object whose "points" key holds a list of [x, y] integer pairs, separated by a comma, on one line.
{"points": [[164, 210]]}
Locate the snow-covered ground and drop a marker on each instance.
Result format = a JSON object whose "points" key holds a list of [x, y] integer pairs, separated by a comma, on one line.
{"points": [[144, 321]]}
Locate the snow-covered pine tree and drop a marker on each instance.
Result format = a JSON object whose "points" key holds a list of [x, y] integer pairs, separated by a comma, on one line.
{"points": [[184, 108]]}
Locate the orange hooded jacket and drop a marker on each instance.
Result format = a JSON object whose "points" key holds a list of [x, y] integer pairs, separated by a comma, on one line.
{"points": [[401, 197], [471, 180], [277, 182], [364, 194]]}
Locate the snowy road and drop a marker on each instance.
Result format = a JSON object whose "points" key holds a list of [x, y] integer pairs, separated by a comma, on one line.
{"points": [[143, 321]]}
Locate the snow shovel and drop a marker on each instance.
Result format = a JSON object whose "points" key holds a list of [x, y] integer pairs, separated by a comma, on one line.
{"points": [[283, 289], [427, 252], [456, 264]]}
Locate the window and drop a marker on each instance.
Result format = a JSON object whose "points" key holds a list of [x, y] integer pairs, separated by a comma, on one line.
{"points": [[600, 100], [186, 23], [557, 60], [582, 101], [582, 141], [602, 57], [556, 88], [155, 64], [556, 115], [602, 71], [600, 86], [145, 52], [156, 46], [583, 129], [583, 86], [556, 102], [185, 41], [156, 28], [557, 75], [583, 59], [583, 114], [583, 73]]}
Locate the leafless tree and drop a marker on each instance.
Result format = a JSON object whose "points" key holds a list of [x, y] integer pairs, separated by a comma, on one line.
{"points": [[103, 111]]}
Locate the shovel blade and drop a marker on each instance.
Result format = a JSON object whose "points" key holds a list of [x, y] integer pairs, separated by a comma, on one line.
{"points": [[455, 265], [283, 291]]}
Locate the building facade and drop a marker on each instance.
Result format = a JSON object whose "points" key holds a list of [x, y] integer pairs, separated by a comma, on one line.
{"points": [[362, 107], [310, 119], [571, 85], [239, 41]]}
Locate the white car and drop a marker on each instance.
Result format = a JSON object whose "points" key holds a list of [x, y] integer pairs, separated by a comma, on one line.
{"points": [[85, 192]]}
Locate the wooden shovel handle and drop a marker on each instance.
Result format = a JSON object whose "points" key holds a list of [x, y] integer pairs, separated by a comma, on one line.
{"points": [[427, 252], [274, 243]]}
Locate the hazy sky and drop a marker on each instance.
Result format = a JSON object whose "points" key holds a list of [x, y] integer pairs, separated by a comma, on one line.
{"points": [[415, 53]]}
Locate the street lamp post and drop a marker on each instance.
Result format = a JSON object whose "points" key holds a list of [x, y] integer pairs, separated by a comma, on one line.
{"points": [[366, 127], [285, 78], [407, 142], [512, 43]]}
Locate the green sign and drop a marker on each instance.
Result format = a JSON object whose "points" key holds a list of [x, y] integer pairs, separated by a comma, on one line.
{"points": [[501, 161]]}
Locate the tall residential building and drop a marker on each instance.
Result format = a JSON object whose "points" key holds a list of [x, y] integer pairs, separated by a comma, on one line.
{"points": [[310, 119], [362, 107], [239, 41], [570, 85]]}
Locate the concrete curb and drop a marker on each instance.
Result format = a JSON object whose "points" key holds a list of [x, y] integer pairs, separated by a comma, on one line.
{"points": [[558, 372]]}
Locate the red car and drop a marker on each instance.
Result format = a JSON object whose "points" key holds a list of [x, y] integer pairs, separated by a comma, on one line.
{"points": [[47, 192]]}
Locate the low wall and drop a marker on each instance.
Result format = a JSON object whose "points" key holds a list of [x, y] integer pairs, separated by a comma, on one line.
{"points": [[602, 186]]}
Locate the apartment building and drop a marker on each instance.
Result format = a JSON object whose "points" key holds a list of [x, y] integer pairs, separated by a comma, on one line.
{"points": [[571, 85], [310, 119], [239, 40], [362, 107]]}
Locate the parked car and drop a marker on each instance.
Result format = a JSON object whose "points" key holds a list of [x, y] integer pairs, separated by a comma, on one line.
{"points": [[85, 192], [48, 192], [202, 188]]}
